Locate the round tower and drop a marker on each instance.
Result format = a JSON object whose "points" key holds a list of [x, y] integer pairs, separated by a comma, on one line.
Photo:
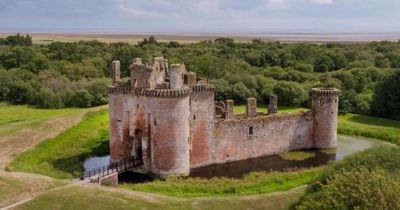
{"points": [[169, 131], [325, 104]]}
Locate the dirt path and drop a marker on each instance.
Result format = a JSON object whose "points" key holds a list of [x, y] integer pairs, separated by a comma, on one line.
{"points": [[25, 139], [24, 186]]}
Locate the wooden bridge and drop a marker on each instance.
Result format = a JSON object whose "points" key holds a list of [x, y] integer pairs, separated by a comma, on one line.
{"points": [[116, 167]]}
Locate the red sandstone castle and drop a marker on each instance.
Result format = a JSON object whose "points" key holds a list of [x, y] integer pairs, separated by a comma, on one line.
{"points": [[168, 118]]}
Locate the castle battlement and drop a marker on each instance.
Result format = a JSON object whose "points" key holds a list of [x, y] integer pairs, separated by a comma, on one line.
{"points": [[167, 117], [325, 92], [164, 93], [203, 88]]}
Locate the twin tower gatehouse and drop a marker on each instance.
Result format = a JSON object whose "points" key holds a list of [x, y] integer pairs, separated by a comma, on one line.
{"points": [[167, 117]]}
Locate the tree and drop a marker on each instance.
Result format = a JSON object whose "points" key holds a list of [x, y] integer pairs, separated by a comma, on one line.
{"points": [[46, 98], [386, 102], [174, 44], [290, 93], [82, 98], [324, 64], [18, 40]]}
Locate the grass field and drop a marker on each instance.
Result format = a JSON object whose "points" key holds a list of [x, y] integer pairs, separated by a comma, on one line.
{"points": [[99, 198], [379, 128], [252, 183], [63, 156], [239, 109], [16, 117]]}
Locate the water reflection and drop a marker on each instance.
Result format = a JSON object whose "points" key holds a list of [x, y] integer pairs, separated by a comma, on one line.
{"points": [[347, 145], [95, 163]]}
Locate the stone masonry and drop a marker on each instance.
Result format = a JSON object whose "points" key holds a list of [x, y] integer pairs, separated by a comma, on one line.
{"points": [[167, 117]]}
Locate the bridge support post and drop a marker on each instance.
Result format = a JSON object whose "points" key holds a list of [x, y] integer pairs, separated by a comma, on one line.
{"points": [[109, 180]]}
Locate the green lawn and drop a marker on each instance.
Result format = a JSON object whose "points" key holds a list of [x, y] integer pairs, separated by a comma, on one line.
{"points": [[17, 117], [379, 128], [252, 183], [63, 156], [239, 109], [99, 198]]}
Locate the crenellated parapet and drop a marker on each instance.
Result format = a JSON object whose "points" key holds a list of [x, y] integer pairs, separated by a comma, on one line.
{"points": [[164, 93], [203, 88], [324, 93], [119, 89]]}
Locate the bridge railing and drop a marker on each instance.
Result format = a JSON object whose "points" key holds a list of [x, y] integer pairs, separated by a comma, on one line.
{"points": [[118, 166]]}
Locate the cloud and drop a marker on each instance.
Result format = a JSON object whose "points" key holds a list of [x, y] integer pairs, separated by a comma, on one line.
{"points": [[203, 15], [322, 1], [124, 8]]}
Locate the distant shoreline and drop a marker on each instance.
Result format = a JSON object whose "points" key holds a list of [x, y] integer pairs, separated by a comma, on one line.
{"points": [[197, 37]]}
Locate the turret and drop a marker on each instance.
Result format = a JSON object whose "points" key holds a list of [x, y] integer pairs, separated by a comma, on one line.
{"points": [[116, 72], [168, 124], [325, 104]]}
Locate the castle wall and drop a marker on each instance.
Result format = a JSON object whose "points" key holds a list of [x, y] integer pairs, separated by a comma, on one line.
{"points": [[265, 135], [202, 112], [119, 117]]}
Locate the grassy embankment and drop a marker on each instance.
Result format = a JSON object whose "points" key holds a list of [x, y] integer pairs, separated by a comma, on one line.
{"points": [[63, 156], [374, 127], [17, 117], [98, 198], [250, 184]]}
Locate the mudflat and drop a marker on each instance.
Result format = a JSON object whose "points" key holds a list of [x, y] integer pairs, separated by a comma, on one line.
{"points": [[197, 37]]}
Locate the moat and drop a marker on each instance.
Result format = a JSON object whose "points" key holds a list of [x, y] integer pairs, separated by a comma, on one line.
{"points": [[347, 145]]}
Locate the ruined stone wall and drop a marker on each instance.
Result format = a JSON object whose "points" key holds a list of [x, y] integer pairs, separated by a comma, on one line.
{"points": [[202, 115], [246, 138]]}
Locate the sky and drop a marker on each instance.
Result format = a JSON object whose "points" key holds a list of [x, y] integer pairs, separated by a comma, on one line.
{"points": [[201, 16]]}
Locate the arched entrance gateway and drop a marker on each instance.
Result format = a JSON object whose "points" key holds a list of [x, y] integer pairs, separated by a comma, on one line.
{"points": [[137, 145]]}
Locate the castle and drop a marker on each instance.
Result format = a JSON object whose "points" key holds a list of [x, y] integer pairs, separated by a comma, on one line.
{"points": [[167, 117]]}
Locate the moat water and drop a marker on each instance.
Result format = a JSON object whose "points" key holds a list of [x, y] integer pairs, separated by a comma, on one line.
{"points": [[347, 145]]}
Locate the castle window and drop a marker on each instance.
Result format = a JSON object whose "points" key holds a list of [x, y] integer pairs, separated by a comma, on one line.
{"points": [[194, 117], [137, 106], [251, 130], [155, 122]]}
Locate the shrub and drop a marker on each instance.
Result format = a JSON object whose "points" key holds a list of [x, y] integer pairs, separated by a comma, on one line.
{"points": [[367, 180], [359, 188]]}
